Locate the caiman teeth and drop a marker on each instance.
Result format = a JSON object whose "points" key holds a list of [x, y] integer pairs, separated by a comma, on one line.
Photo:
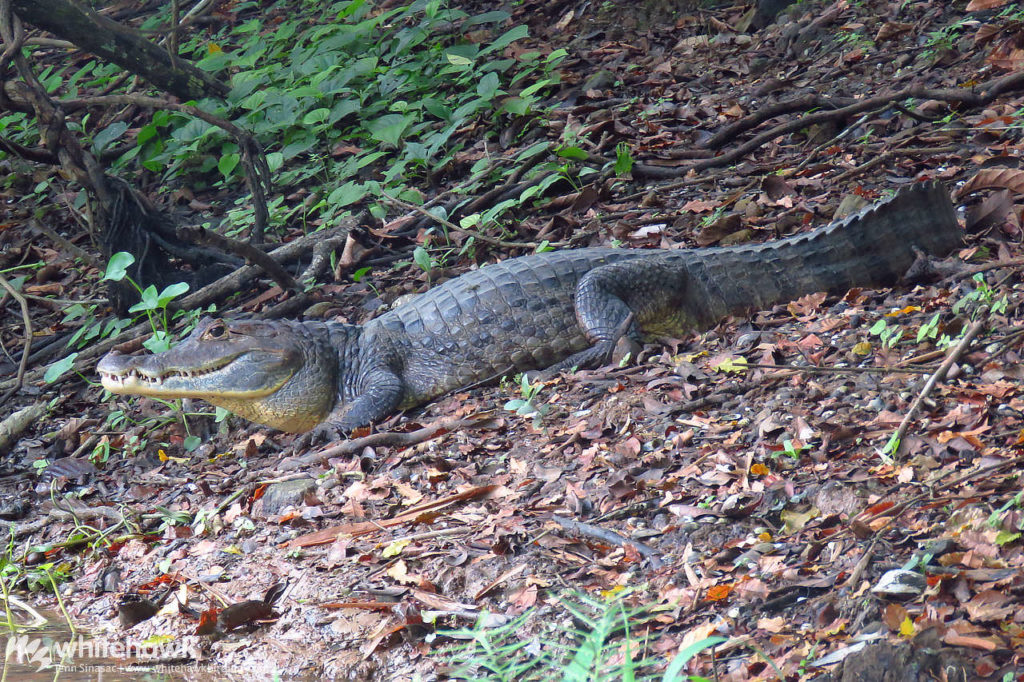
{"points": [[156, 379]]}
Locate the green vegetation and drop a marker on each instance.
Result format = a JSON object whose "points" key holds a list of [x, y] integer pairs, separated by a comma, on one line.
{"points": [[153, 305], [386, 91], [527, 406], [601, 645]]}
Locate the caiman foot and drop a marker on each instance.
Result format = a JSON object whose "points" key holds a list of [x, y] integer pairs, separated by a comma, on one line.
{"points": [[600, 354], [322, 434]]}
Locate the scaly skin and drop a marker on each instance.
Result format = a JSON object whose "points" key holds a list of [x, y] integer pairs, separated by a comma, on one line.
{"points": [[556, 309]]}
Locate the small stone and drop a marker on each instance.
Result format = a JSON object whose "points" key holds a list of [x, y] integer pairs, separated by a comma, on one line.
{"points": [[901, 584], [279, 496]]}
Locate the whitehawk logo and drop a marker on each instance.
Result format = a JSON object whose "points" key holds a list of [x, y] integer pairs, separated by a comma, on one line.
{"points": [[27, 650]]}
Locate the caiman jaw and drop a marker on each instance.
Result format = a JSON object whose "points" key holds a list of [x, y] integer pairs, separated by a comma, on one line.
{"points": [[267, 372], [135, 378]]}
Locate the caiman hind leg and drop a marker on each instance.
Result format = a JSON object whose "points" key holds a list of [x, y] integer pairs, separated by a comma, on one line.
{"points": [[635, 299], [604, 315]]}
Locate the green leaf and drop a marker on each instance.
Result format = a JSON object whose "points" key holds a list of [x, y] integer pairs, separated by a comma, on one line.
{"points": [[227, 163], [191, 443], [349, 193], [358, 275], [623, 159], [422, 259], [574, 153], [510, 36], [1005, 537], [148, 302], [436, 107], [458, 60], [59, 368], [118, 266], [389, 128], [111, 133], [170, 292], [517, 106], [892, 446], [488, 86], [316, 116], [877, 328], [674, 671], [493, 17], [159, 342], [274, 161]]}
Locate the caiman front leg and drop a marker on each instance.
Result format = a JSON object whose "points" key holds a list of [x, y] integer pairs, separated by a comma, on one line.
{"points": [[381, 396]]}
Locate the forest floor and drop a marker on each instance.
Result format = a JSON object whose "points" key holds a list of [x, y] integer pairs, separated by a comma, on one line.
{"points": [[736, 482]]}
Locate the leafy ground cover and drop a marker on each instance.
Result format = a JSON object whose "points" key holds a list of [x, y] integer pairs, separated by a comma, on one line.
{"points": [[754, 483]]}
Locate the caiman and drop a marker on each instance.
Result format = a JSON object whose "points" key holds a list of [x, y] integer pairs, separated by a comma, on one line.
{"points": [[550, 310]]}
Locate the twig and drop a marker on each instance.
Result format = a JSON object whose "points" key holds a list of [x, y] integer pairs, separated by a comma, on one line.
{"points": [[954, 354], [980, 95], [384, 438], [254, 162], [72, 249], [493, 241], [252, 255], [815, 369], [984, 267], [17, 422], [27, 320], [862, 564], [611, 536]]}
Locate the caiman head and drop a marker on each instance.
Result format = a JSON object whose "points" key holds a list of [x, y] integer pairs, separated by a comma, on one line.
{"points": [[269, 372]]}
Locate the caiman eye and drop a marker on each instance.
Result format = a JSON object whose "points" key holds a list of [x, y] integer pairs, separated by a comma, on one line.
{"points": [[217, 330]]}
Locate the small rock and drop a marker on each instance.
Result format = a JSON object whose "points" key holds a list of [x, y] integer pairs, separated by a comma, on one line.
{"points": [[278, 496], [601, 80], [900, 583]]}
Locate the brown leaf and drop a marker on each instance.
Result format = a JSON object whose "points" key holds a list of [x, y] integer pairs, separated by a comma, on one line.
{"points": [[975, 5], [994, 178], [891, 29], [990, 212], [954, 639], [719, 592], [806, 304], [776, 188], [893, 617], [990, 605]]}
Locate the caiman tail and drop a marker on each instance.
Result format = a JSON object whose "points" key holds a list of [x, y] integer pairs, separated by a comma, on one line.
{"points": [[873, 247]]}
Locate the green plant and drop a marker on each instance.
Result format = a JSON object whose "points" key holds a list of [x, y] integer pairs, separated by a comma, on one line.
{"points": [[526, 406], [1005, 536], [982, 295], [790, 449], [888, 334], [600, 646], [623, 159], [713, 217], [153, 305], [943, 39]]}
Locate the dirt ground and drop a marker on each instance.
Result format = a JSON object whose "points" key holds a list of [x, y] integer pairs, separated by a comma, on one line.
{"points": [[735, 479]]}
